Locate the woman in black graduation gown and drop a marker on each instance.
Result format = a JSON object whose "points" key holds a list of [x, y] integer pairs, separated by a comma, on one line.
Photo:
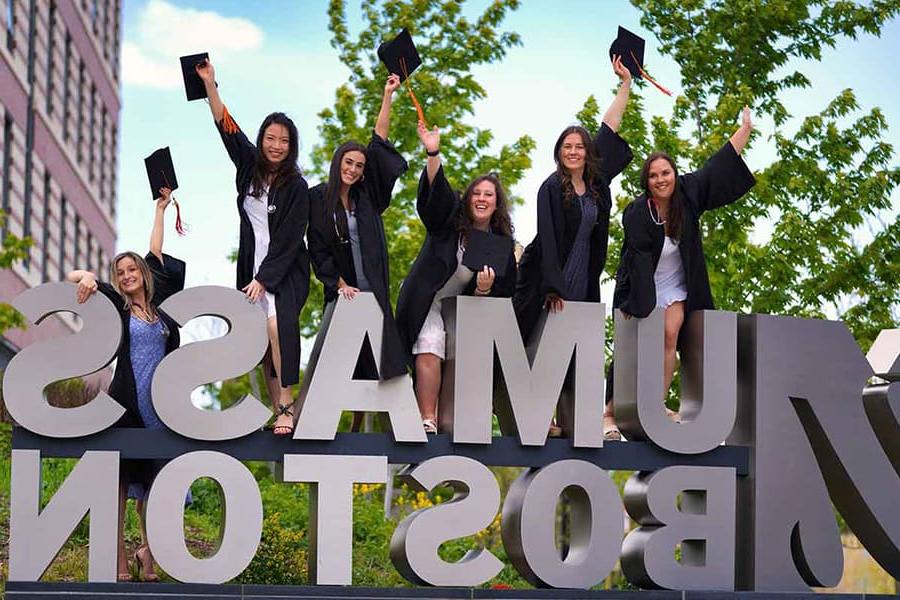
{"points": [[137, 287], [346, 236], [662, 263], [272, 263], [438, 271], [567, 256]]}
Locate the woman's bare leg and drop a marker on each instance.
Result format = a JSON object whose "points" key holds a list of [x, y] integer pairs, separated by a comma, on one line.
{"points": [[428, 384], [143, 553], [284, 423], [673, 319]]}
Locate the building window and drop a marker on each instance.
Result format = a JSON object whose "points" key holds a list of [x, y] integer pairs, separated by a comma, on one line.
{"points": [[79, 135], [67, 73], [104, 118], [45, 242], [92, 135], [89, 254], [51, 47], [62, 239], [10, 25], [95, 12], [7, 167], [76, 243]]}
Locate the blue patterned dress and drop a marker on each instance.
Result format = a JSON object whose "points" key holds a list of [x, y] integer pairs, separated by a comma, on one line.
{"points": [[576, 267]]}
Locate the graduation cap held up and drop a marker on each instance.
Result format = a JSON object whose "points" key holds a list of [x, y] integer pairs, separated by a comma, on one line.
{"points": [[630, 47], [401, 58], [161, 173], [194, 87], [489, 249]]}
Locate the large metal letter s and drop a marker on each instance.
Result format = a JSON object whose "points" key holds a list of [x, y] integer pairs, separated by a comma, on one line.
{"points": [[42, 363]]}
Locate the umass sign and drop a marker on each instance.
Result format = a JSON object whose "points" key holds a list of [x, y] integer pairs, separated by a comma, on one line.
{"points": [[781, 422]]}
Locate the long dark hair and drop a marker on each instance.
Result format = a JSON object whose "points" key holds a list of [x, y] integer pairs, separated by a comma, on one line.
{"points": [[287, 168], [591, 165], [334, 218], [500, 221], [676, 208]]}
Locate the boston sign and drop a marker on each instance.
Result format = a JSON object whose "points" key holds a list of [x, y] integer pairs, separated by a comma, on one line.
{"points": [[791, 399]]}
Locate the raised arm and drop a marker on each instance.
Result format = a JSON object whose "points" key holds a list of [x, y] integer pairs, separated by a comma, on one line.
{"points": [[159, 221], [740, 137], [431, 141], [208, 74], [383, 123], [613, 116]]}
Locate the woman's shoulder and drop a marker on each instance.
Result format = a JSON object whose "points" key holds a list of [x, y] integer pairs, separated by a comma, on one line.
{"points": [[632, 211], [317, 192]]}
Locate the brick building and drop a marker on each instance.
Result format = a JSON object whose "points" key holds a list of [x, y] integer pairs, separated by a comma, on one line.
{"points": [[59, 103]]}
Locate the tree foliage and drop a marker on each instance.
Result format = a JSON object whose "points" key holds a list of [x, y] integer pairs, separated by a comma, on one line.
{"points": [[818, 235], [450, 45], [13, 249]]}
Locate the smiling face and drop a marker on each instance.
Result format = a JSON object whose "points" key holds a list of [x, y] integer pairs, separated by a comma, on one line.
{"points": [[352, 165], [276, 143], [482, 204], [572, 153], [660, 179], [128, 277]]}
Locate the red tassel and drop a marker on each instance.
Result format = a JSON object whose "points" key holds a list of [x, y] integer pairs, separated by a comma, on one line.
{"points": [[229, 125], [647, 76], [179, 226], [415, 101]]}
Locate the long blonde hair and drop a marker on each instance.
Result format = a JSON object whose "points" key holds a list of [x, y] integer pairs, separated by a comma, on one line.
{"points": [[146, 275]]}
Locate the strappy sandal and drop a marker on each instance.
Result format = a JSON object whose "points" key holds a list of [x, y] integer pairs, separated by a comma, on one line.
{"points": [[676, 417], [281, 430], [144, 571], [611, 431], [555, 430], [429, 425]]}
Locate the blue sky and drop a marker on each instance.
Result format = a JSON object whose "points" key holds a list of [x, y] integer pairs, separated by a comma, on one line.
{"points": [[275, 55]]}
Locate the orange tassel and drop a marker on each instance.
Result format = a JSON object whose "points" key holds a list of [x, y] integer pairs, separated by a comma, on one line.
{"points": [[229, 125], [179, 226], [415, 101], [647, 76]]}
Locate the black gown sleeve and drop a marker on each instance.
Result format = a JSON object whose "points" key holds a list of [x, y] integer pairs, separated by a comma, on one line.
{"points": [[436, 202], [318, 237], [552, 279], [383, 166], [286, 243], [168, 276], [723, 179], [240, 150], [614, 153], [110, 292]]}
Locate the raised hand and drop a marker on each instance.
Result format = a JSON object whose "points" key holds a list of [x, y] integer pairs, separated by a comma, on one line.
{"points": [[745, 118], [206, 71], [165, 198], [620, 69], [393, 82], [431, 140]]}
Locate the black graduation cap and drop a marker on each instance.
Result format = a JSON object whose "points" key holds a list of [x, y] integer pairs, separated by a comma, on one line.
{"points": [[489, 249], [160, 171], [193, 85], [400, 55], [630, 47]]}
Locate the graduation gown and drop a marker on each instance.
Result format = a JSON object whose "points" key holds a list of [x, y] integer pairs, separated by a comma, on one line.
{"points": [[168, 278], [332, 257], [285, 270], [722, 180], [438, 206], [542, 264]]}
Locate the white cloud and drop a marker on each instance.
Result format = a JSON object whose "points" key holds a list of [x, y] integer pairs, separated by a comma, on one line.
{"points": [[165, 31]]}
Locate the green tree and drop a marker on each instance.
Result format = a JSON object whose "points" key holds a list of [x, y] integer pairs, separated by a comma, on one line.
{"points": [[450, 45], [12, 249], [817, 235]]}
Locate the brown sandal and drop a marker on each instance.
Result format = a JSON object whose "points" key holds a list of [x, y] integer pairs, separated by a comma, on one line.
{"points": [[145, 570]]}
